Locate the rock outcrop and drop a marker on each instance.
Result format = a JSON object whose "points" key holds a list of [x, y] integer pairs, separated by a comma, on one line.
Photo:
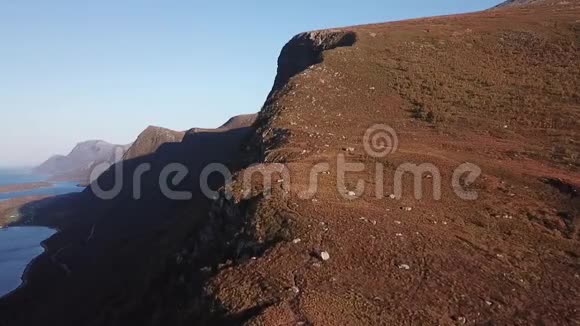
{"points": [[305, 50]]}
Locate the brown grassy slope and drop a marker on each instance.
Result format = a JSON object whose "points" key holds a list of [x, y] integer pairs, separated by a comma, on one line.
{"points": [[499, 89]]}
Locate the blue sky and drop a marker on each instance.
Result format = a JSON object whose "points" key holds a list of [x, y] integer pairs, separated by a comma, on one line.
{"points": [[78, 70]]}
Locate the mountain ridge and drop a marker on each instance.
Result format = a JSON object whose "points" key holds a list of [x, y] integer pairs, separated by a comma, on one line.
{"points": [[77, 165]]}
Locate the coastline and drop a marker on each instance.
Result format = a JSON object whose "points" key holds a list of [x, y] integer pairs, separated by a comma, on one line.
{"points": [[23, 276], [25, 187], [11, 209], [20, 212]]}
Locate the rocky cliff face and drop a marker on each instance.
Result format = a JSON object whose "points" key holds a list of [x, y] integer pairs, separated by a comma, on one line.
{"points": [[305, 50]]}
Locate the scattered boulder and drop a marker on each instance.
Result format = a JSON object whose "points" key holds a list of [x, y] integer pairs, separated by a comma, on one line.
{"points": [[324, 255]]}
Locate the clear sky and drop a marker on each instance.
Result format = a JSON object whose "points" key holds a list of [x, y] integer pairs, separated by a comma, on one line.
{"points": [[78, 70]]}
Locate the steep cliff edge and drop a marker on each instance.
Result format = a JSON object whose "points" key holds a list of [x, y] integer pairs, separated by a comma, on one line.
{"points": [[305, 50], [497, 89]]}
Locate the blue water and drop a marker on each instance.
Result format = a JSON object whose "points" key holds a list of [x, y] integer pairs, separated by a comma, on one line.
{"points": [[57, 188], [18, 247], [21, 176], [18, 176]]}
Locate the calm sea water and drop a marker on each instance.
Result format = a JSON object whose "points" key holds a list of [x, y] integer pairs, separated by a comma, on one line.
{"points": [[20, 245], [20, 176]]}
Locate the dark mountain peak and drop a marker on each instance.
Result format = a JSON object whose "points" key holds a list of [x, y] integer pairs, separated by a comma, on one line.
{"points": [[150, 139], [79, 162], [239, 121]]}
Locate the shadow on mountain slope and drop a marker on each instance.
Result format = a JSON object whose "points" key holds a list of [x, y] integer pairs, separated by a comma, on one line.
{"points": [[109, 252]]}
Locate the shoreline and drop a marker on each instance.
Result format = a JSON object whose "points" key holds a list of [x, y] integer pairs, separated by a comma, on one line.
{"points": [[11, 209], [12, 216], [25, 187], [23, 276], [14, 208]]}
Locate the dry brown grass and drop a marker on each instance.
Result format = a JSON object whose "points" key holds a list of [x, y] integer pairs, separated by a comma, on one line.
{"points": [[500, 89]]}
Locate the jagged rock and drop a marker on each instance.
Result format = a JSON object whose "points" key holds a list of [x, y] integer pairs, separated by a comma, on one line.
{"points": [[305, 50]]}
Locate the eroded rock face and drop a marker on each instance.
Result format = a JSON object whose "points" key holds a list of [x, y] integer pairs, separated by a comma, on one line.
{"points": [[305, 50]]}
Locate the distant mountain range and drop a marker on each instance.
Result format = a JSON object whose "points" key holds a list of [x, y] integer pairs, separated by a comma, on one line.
{"points": [[88, 156], [78, 164]]}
